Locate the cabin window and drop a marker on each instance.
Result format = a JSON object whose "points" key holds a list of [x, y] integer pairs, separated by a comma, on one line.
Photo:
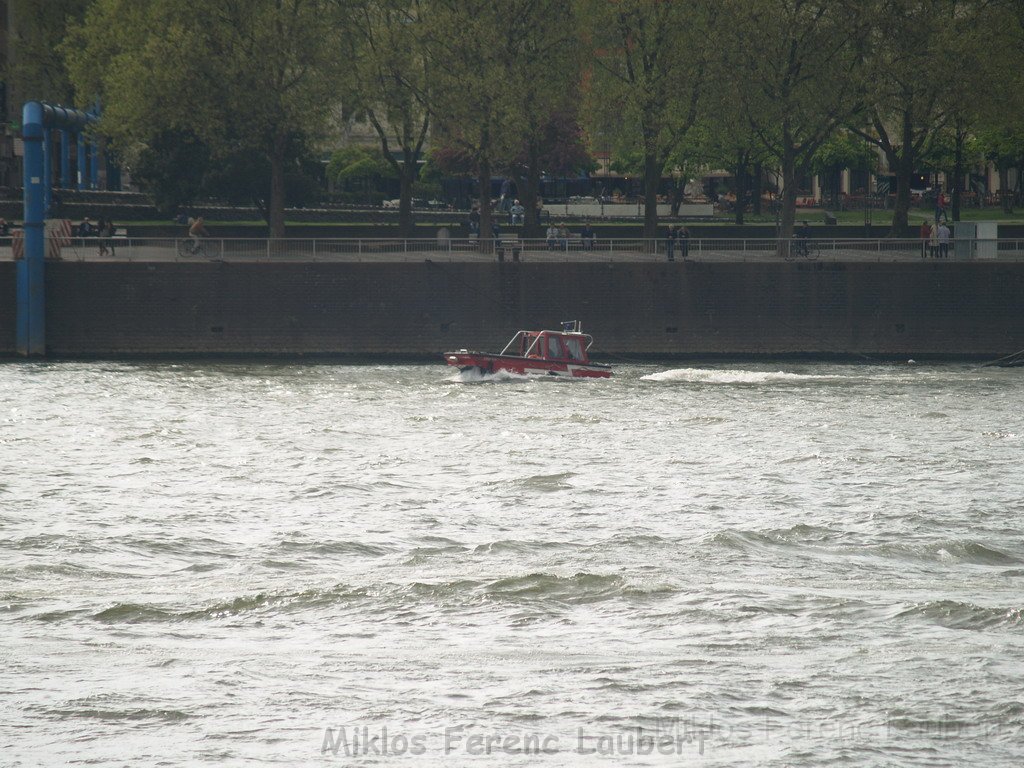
{"points": [[575, 347], [554, 347], [532, 346]]}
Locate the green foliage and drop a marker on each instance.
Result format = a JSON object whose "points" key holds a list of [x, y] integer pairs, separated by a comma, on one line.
{"points": [[797, 84], [226, 96], [648, 66], [253, 76], [171, 168], [243, 177], [843, 150], [35, 63], [359, 163]]}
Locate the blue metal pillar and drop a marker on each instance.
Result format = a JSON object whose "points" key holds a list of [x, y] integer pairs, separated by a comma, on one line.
{"points": [[81, 165], [30, 327], [94, 164], [47, 170], [65, 158], [38, 120]]}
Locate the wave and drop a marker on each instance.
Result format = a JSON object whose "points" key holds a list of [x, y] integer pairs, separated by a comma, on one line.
{"points": [[538, 590], [841, 543], [794, 535], [547, 483], [722, 376], [955, 551], [517, 547], [114, 715], [334, 548], [956, 615]]}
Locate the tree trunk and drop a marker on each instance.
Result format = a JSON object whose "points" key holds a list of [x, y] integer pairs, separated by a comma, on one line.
{"points": [[904, 169], [405, 178], [652, 177], [756, 188], [741, 187], [531, 214], [1005, 195], [484, 180], [276, 206], [958, 174], [678, 190], [788, 213], [530, 193]]}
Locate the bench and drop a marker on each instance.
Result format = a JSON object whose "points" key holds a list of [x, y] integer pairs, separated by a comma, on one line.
{"points": [[508, 245]]}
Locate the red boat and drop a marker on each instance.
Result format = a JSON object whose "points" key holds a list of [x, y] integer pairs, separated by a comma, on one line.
{"points": [[537, 353]]}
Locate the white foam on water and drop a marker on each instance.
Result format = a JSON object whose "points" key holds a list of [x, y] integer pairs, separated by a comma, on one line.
{"points": [[476, 376], [714, 376]]}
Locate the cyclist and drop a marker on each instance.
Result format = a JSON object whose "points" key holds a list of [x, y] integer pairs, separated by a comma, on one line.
{"points": [[196, 231]]}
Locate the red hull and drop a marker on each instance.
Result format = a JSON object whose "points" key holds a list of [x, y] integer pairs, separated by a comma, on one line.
{"points": [[527, 366]]}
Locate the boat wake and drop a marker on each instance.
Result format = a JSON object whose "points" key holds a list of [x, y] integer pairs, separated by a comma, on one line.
{"points": [[476, 376], [715, 376]]}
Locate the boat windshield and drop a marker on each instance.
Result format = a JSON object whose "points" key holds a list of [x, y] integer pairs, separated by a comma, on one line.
{"points": [[575, 347], [555, 348]]}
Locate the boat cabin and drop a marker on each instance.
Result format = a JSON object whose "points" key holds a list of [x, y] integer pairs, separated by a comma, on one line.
{"points": [[550, 345]]}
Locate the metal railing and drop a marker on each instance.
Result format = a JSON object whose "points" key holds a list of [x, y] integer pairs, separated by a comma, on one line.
{"points": [[510, 248]]}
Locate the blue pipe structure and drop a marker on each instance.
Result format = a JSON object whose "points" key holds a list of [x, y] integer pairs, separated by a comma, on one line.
{"points": [[65, 158], [80, 164], [94, 164], [47, 170], [37, 120]]}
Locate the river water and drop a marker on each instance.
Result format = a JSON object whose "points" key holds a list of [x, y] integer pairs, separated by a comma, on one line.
{"points": [[773, 564]]}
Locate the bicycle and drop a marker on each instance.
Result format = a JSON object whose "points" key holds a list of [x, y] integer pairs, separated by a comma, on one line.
{"points": [[801, 247], [188, 248]]}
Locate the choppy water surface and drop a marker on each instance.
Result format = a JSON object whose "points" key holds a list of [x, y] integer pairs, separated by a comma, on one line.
{"points": [[733, 564]]}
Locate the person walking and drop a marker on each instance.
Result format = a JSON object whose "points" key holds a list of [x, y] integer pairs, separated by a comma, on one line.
{"points": [[926, 234], [944, 234], [933, 242], [670, 243], [940, 206], [105, 233], [683, 241]]}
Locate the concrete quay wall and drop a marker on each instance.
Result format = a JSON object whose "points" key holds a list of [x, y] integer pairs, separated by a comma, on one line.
{"points": [[422, 309]]}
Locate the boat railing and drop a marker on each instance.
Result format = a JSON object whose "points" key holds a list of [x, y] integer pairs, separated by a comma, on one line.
{"points": [[511, 248], [512, 342]]}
